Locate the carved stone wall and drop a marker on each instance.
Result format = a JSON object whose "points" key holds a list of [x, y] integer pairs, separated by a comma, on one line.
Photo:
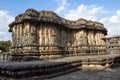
{"points": [[113, 44], [49, 35]]}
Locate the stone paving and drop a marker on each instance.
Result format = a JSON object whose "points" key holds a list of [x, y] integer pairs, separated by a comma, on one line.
{"points": [[114, 74]]}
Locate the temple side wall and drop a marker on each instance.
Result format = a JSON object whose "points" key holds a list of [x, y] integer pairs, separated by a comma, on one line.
{"points": [[113, 44], [46, 39]]}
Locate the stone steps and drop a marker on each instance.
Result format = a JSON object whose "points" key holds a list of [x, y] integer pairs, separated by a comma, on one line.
{"points": [[21, 70]]}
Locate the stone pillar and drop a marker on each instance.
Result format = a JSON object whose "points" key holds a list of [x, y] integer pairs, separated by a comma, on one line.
{"points": [[28, 32], [48, 37], [23, 34], [40, 32], [13, 36], [98, 41], [26, 36], [20, 34], [16, 34], [74, 45], [13, 39], [45, 36], [42, 37]]}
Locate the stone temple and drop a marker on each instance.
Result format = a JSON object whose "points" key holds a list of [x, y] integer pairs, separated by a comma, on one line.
{"points": [[45, 35], [45, 45]]}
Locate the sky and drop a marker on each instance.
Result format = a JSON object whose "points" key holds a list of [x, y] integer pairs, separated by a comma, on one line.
{"points": [[104, 11]]}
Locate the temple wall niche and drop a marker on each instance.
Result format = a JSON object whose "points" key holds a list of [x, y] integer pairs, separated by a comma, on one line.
{"points": [[63, 37], [16, 35], [20, 34], [77, 38], [41, 37], [29, 37], [48, 37], [70, 39], [97, 38], [80, 41], [26, 33], [91, 39], [102, 36], [32, 34]]}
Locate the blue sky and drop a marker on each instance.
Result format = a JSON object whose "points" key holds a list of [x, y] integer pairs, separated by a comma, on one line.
{"points": [[105, 11]]}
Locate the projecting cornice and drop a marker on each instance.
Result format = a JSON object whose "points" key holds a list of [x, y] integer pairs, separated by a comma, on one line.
{"points": [[49, 16]]}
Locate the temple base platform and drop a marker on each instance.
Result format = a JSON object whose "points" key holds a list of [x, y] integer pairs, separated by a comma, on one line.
{"points": [[14, 70]]}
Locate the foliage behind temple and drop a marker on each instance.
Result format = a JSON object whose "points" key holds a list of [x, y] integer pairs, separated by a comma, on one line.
{"points": [[5, 45]]}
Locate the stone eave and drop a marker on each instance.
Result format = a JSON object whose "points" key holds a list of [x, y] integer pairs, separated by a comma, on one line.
{"points": [[49, 16]]}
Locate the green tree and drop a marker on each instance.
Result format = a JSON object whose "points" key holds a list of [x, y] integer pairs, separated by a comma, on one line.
{"points": [[5, 45]]}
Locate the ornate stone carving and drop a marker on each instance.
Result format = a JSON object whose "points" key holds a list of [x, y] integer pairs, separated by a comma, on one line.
{"points": [[45, 33]]}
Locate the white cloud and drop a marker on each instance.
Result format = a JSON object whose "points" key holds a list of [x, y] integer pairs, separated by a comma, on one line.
{"points": [[104, 19], [112, 23], [83, 11], [5, 38], [5, 19], [2, 33], [93, 12], [115, 19], [62, 5]]}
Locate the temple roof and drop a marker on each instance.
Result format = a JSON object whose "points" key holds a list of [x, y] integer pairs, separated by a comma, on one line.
{"points": [[49, 16]]}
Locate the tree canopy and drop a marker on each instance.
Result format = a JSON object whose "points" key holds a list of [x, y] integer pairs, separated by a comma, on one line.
{"points": [[5, 45]]}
